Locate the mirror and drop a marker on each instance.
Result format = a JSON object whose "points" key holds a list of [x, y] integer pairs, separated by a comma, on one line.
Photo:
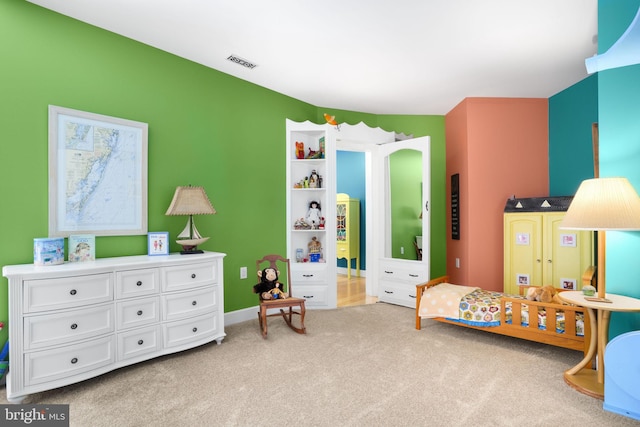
{"points": [[405, 203], [404, 169]]}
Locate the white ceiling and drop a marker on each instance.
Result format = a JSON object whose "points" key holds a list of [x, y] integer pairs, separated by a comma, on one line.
{"points": [[373, 56]]}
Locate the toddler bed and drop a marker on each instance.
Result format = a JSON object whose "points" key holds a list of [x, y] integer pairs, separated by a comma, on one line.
{"points": [[511, 315]]}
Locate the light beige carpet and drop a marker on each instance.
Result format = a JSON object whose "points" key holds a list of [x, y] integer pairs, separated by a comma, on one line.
{"points": [[357, 366]]}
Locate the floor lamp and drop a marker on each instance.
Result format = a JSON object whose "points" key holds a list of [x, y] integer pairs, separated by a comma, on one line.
{"points": [[602, 204]]}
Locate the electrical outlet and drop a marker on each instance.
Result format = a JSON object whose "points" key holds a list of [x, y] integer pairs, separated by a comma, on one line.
{"points": [[457, 262], [243, 272], [401, 250]]}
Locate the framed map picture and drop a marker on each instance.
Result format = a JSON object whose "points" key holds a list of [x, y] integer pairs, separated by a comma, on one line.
{"points": [[97, 174]]}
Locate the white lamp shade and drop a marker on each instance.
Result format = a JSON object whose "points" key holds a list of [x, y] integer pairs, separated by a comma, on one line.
{"points": [[604, 204]]}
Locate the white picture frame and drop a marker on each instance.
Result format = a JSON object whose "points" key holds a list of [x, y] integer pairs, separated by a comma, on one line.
{"points": [[522, 279], [568, 284], [522, 239], [97, 174], [568, 240], [158, 243]]}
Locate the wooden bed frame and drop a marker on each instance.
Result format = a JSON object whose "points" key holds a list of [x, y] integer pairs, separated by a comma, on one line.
{"points": [[568, 339]]}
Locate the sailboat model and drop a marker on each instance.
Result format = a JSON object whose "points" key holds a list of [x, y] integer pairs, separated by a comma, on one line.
{"points": [[190, 235]]}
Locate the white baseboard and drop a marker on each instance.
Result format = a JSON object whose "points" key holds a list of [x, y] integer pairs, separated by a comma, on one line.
{"points": [[242, 315]]}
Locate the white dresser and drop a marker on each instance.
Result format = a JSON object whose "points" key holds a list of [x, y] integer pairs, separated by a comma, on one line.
{"points": [[398, 280], [74, 321]]}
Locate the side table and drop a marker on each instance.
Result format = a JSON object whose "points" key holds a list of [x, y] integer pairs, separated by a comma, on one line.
{"points": [[582, 378]]}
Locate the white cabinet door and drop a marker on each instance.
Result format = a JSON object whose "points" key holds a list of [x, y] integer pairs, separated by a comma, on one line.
{"points": [[385, 216]]}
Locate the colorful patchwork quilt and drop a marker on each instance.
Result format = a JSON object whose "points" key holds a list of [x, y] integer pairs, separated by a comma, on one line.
{"points": [[482, 308]]}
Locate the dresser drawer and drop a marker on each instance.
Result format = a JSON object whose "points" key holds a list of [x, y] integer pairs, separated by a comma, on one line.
{"points": [[342, 250], [395, 293], [185, 304], [184, 332], [137, 312], [403, 274], [67, 326], [66, 292], [188, 276], [308, 275], [49, 365], [138, 342], [136, 283], [315, 295]]}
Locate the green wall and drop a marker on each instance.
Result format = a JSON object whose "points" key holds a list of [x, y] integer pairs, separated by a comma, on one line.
{"points": [[202, 126]]}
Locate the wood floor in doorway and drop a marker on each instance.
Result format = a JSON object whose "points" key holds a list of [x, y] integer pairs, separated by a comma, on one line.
{"points": [[353, 291]]}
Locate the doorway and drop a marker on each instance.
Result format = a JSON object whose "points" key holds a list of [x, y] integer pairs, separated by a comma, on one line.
{"points": [[353, 166]]}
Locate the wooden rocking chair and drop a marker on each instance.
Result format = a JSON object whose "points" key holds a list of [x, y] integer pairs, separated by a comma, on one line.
{"points": [[284, 305]]}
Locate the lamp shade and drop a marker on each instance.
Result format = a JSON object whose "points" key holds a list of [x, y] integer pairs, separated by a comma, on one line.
{"points": [[604, 204], [190, 201]]}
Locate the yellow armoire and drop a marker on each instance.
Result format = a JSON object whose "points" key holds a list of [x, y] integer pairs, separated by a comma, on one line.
{"points": [[348, 230], [537, 252]]}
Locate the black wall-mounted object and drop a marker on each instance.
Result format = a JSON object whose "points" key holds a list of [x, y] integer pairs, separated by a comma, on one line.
{"points": [[455, 206]]}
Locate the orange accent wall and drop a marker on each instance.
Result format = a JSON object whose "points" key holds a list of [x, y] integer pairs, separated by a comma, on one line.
{"points": [[499, 146]]}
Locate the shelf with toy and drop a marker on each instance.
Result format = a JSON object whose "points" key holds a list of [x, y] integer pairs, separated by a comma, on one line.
{"points": [[308, 144], [308, 174]]}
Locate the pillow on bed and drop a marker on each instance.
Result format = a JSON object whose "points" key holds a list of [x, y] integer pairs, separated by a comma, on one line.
{"points": [[443, 300]]}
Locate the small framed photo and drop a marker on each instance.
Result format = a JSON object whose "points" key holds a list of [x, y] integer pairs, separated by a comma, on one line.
{"points": [[568, 284], [158, 243], [523, 279], [522, 239], [568, 240]]}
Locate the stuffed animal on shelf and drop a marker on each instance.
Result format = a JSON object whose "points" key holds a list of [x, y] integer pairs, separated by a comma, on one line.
{"points": [[314, 154], [545, 293], [299, 150], [269, 283]]}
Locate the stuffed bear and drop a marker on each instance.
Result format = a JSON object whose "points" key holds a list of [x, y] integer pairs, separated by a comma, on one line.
{"points": [[545, 293], [269, 287]]}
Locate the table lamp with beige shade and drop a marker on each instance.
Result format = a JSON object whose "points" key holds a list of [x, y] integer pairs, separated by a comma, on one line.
{"points": [[190, 201], [603, 204]]}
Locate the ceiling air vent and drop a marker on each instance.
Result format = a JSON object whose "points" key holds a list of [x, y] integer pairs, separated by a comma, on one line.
{"points": [[243, 62]]}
